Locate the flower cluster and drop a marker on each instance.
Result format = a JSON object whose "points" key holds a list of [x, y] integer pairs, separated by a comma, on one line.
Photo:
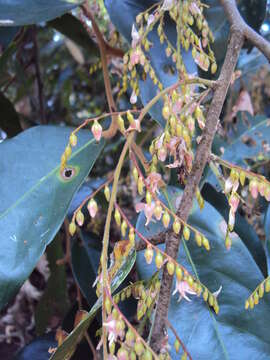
{"points": [[258, 294]]}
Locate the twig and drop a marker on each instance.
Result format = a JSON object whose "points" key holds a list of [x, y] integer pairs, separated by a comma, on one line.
{"points": [[177, 337], [235, 18], [202, 156], [39, 80]]}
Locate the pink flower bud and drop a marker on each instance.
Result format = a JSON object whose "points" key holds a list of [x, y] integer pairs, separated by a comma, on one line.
{"points": [[234, 202], [97, 130], [133, 98], [92, 208], [254, 188], [162, 154]]}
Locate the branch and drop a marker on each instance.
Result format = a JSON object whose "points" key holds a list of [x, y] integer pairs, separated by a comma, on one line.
{"points": [[202, 155], [235, 18]]}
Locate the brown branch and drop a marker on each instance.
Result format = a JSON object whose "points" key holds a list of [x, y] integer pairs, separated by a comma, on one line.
{"points": [[177, 337], [103, 54], [235, 18], [201, 158]]}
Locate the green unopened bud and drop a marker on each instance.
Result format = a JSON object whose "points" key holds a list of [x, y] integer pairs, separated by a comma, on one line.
{"points": [[148, 254], [205, 243], [108, 305], [198, 239], [107, 193], [166, 219], [68, 151], [158, 211], [179, 273], [205, 295], [123, 228], [139, 348], [170, 267], [135, 174], [211, 300], [79, 218], [140, 185], [177, 345], [117, 217], [228, 242], [214, 68], [147, 355], [130, 117], [256, 298], [186, 233], [130, 337], [166, 112], [261, 290], [72, 228], [176, 226], [121, 123], [73, 139], [184, 356], [112, 347], [246, 304], [148, 197], [159, 260], [251, 302], [122, 353], [131, 236]]}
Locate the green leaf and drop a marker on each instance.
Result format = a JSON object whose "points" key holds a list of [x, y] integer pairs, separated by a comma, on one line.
{"points": [[26, 12], [54, 301], [9, 122], [235, 333], [71, 27], [35, 197], [68, 347], [85, 273]]}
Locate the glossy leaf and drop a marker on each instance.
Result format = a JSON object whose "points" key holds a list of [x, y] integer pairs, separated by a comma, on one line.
{"points": [[35, 197], [26, 12], [54, 301], [71, 27], [68, 347], [235, 333]]}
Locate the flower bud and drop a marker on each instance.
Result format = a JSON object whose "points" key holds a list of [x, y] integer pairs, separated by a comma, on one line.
{"points": [[213, 68], [205, 243], [177, 345], [205, 295], [138, 347], [166, 219], [140, 185], [107, 193], [210, 300], [162, 154], [267, 285], [121, 124], [72, 228], [117, 217], [96, 130], [130, 117], [186, 233], [246, 304], [170, 267], [73, 139], [228, 242], [261, 290], [254, 188], [198, 239], [256, 298], [166, 112], [122, 354], [179, 273], [135, 174], [158, 210], [92, 208], [148, 254], [123, 228], [79, 218], [131, 236], [147, 355], [159, 260], [130, 337], [176, 226], [251, 302], [108, 305], [148, 197]]}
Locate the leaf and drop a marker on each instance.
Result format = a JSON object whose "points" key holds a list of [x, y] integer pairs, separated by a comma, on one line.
{"points": [[7, 34], [83, 267], [54, 301], [71, 27], [9, 122], [35, 198], [14, 13], [123, 14], [66, 350], [235, 333], [38, 348], [242, 228]]}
